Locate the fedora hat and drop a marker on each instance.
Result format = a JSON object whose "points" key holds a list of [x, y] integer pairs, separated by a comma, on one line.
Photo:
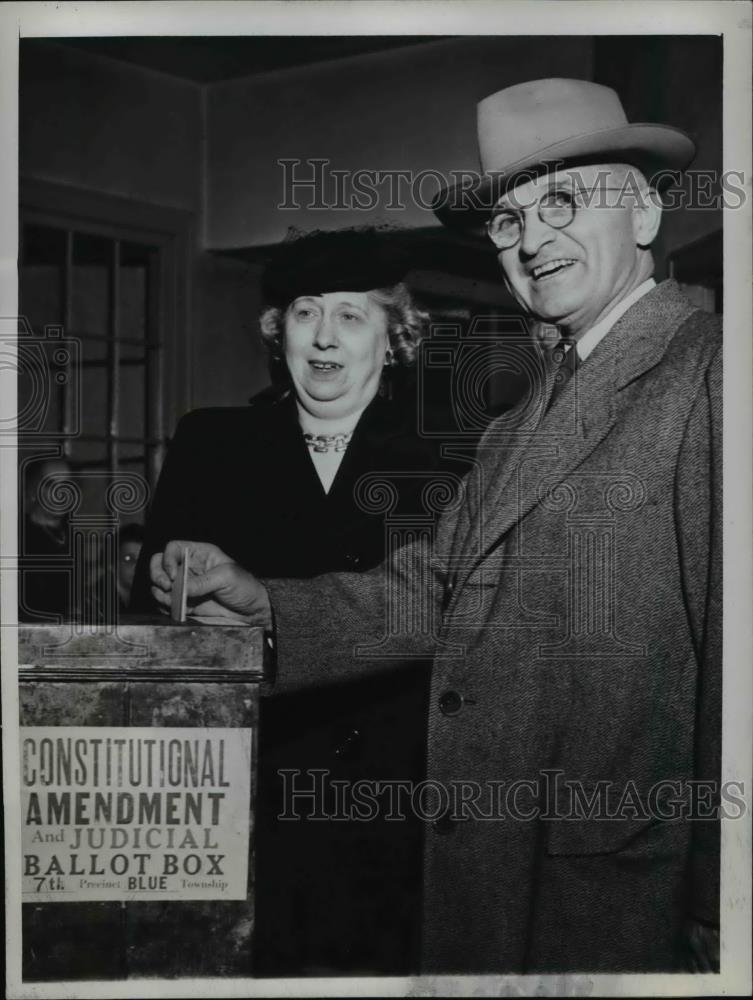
{"points": [[545, 124]]}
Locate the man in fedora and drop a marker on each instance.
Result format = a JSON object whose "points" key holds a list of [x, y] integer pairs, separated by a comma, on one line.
{"points": [[573, 593]]}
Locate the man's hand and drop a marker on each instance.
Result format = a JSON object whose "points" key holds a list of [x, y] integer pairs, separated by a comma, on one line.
{"points": [[702, 946], [216, 587]]}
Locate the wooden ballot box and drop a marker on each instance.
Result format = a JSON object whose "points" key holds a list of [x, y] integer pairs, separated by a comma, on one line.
{"points": [[138, 747]]}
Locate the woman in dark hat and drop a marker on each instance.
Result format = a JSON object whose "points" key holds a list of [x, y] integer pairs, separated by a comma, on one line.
{"points": [[338, 322], [274, 486]]}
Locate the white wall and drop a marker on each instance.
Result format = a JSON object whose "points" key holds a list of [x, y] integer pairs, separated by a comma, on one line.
{"points": [[107, 126], [407, 109]]}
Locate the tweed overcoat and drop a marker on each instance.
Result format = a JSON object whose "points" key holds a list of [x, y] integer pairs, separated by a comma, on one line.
{"points": [[574, 611]]}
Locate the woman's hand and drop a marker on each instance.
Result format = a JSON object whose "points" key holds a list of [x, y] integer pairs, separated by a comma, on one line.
{"points": [[216, 586]]}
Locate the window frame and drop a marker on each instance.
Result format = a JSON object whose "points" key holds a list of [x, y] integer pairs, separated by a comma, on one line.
{"points": [[171, 232]]}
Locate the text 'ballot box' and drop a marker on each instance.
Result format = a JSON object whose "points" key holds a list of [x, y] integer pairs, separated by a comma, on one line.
{"points": [[138, 748]]}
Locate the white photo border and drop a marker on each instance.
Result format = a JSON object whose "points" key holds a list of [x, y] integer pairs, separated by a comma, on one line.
{"points": [[730, 19]]}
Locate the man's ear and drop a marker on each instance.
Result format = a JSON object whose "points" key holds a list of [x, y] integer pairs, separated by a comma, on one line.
{"points": [[647, 217]]}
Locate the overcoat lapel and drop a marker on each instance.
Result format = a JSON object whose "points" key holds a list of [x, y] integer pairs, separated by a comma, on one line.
{"points": [[518, 478]]}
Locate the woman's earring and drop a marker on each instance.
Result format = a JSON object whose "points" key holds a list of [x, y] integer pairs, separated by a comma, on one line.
{"points": [[385, 382]]}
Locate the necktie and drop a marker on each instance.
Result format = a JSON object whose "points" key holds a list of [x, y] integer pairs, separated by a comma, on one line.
{"points": [[565, 362]]}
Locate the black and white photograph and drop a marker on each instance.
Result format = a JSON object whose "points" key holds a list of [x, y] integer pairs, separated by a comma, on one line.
{"points": [[376, 525]]}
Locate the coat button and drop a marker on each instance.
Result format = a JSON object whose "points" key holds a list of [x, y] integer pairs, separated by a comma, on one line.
{"points": [[449, 589], [352, 560], [450, 703], [444, 825]]}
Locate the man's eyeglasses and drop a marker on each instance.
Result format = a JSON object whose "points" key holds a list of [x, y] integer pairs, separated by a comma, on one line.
{"points": [[556, 208]]}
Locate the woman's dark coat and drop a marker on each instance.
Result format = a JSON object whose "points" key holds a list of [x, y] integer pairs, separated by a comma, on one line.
{"points": [[331, 896]]}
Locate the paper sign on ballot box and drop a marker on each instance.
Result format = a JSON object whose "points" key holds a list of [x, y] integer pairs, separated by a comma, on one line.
{"points": [[116, 813]]}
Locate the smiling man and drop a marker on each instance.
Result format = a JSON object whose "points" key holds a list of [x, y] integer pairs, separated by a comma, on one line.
{"points": [[573, 246], [571, 201], [574, 723]]}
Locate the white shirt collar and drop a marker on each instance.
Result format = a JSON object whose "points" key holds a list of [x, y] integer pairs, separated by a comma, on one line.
{"points": [[585, 344]]}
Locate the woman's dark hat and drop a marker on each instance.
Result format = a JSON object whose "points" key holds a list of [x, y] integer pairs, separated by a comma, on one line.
{"points": [[556, 123], [345, 260]]}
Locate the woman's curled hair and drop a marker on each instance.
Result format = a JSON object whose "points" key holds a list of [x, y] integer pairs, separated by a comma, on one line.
{"points": [[406, 324]]}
